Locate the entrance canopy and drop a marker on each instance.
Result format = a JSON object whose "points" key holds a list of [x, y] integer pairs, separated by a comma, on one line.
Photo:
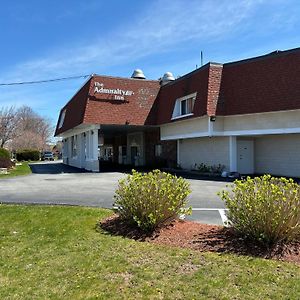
{"points": [[126, 144]]}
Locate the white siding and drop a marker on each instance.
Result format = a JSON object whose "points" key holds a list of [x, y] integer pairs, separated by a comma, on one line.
{"points": [[210, 151], [264, 121], [195, 127], [278, 155]]}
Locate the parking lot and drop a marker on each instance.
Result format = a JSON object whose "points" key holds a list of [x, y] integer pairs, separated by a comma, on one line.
{"points": [[55, 183]]}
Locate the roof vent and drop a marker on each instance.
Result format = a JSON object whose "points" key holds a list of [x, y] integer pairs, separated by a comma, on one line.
{"points": [[138, 74], [168, 76]]}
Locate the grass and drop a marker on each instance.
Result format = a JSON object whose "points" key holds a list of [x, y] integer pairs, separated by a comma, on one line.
{"points": [[23, 169], [52, 252]]}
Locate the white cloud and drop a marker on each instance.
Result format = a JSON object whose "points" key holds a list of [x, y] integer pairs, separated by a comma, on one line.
{"points": [[163, 26]]}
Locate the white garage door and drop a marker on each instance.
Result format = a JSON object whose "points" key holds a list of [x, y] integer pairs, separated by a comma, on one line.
{"points": [[278, 155]]}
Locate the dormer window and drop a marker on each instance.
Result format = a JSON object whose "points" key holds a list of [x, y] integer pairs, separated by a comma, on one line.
{"points": [[184, 106], [62, 118]]}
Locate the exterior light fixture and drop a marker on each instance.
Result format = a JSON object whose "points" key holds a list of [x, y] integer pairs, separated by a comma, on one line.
{"points": [[92, 132], [212, 118], [127, 122]]}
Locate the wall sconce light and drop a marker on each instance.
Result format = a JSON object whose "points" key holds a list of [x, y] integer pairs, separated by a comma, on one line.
{"points": [[213, 118], [127, 122], [92, 132], [84, 134]]}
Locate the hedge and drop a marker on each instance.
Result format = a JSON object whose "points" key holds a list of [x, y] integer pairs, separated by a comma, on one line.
{"points": [[28, 155]]}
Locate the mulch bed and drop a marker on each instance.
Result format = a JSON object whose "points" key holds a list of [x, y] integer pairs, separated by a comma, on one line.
{"points": [[202, 237]]}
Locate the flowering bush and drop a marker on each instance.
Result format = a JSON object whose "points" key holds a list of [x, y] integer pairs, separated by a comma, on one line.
{"points": [[265, 208], [151, 199]]}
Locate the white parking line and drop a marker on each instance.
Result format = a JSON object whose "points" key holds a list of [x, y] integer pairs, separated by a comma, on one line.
{"points": [[224, 218], [221, 211]]}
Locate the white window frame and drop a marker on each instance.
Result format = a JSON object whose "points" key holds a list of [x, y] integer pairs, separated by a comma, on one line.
{"points": [[62, 118], [177, 112]]}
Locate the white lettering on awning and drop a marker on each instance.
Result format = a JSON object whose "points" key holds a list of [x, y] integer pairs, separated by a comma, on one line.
{"points": [[119, 94]]}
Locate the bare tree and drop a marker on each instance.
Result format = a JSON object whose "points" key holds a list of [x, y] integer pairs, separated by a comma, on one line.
{"points": [[34, 131], [8, 124], [27, 140], [24, 128]]}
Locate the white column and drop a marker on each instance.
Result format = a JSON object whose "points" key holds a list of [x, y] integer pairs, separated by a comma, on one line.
{"points": [[178, 152], [65, 150], [94, 150], [82, 150], [69, 148], [87, 144], [210, 127], [233, 154]]}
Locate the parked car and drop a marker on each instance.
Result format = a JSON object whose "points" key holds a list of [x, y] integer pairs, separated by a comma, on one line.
{"points": [[47, 155]]}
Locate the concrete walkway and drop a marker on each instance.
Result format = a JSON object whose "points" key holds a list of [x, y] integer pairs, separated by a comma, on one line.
{"points": [[55, 183]]}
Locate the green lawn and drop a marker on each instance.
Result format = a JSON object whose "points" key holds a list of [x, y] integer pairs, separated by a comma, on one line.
{"points": [[52, 252], [24, 169]]}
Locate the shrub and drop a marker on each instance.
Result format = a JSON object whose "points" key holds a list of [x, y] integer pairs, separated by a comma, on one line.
{"points": [[151, 199], [4, 153], [214, 169], [27, 155], [265, 208], [6, 163], [217, 169], [203, 168]]}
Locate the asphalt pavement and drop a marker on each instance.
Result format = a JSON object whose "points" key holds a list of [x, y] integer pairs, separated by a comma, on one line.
{"points": [[55, 183]]}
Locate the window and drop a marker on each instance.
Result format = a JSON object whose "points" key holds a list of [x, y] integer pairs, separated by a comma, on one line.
{"points": [[62, 118], [158, 150], [184, 106], [124, 150], [74, 145]]}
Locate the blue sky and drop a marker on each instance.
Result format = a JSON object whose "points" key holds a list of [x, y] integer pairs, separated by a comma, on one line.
{"points": [[51, 39]]}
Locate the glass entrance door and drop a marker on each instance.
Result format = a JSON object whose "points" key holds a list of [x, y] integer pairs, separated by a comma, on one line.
{"points": [[133, 154]]}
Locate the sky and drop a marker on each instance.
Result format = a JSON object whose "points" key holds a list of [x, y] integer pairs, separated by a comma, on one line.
{"points": [[59, 38]]}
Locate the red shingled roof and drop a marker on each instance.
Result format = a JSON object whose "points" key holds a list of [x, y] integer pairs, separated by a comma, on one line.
{"points": [[205, 81], [75, 109], [262, 84], [88, 107], [196, 81]]}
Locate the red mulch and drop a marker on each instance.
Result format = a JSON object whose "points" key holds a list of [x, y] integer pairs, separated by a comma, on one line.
{"points": [[202, 237]]}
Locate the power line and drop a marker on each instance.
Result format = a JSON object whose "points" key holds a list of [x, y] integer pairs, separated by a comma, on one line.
{"points": [[44, 81]]}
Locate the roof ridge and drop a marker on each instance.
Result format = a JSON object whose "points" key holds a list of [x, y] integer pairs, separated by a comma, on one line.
{"points": [[126, 78], [275, 53]]}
